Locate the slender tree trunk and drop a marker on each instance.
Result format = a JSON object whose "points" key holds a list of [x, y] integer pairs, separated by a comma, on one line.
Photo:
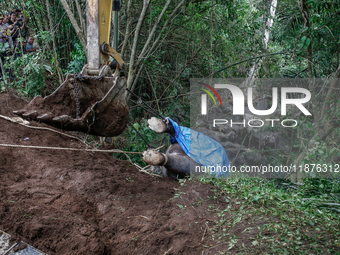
{"points": [[128, 95], [254, 70], [53, 41], [44, 19], [152, 33], [133, 56], [74, 23], [81, 19], [165, 26], [306, 15], [128, 27]]}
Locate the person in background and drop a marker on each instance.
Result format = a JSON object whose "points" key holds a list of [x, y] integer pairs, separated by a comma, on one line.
{"points": [[13, 26], [23, 23], [4, 37], [3, 33], [20, 14], [24, 45], [5, 21], [29, 45], [12, 18], [17, 27]]}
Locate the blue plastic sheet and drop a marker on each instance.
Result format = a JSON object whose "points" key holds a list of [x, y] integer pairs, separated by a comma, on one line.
{"points": [[202, 149]]}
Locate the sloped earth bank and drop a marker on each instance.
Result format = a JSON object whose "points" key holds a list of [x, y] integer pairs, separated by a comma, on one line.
{"points": [[76, 202]]}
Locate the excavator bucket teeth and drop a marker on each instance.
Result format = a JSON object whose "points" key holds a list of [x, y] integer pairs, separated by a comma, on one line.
{"points": [[93, 105]]}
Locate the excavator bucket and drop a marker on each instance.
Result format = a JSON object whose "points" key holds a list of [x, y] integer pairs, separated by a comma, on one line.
{"points": [[90, 104]]}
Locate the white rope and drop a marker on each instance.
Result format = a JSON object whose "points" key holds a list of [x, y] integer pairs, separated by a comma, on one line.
{"points": [[25, 123], [66, 149]]}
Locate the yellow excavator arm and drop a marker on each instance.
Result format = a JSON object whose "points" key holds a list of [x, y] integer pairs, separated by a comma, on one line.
{"points": [[99, 15], [105, 13]]}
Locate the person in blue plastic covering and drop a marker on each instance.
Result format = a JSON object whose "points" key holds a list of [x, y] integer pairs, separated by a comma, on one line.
{"points": [[190, 152]]}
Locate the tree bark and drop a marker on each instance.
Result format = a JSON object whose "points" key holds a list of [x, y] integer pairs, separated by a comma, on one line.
{"points": [[74, 23], [53, 42], [81, 19], [254, 70], [128, 27], [155, 43], [132, 68], [152, 33]]}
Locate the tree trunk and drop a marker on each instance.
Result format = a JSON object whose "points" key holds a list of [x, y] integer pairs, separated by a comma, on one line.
{"points": [[254, 70], [74, 23], [128, 28], [133, 56], [53, 42], [81, 19], [156, 42], [151, 35]]}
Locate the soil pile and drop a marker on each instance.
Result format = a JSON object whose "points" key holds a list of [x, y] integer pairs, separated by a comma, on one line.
{"points": [[77, 202]]}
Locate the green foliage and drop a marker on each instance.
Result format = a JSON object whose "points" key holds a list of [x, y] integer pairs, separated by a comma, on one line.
{"points": [[322, 160], [133, 142], [276, 210], [43, 37], [179, 110], [27, 71], [78, 59]]}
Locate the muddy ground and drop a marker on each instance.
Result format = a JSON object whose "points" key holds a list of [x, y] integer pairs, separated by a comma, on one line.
{"points": [[77, 202]]}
